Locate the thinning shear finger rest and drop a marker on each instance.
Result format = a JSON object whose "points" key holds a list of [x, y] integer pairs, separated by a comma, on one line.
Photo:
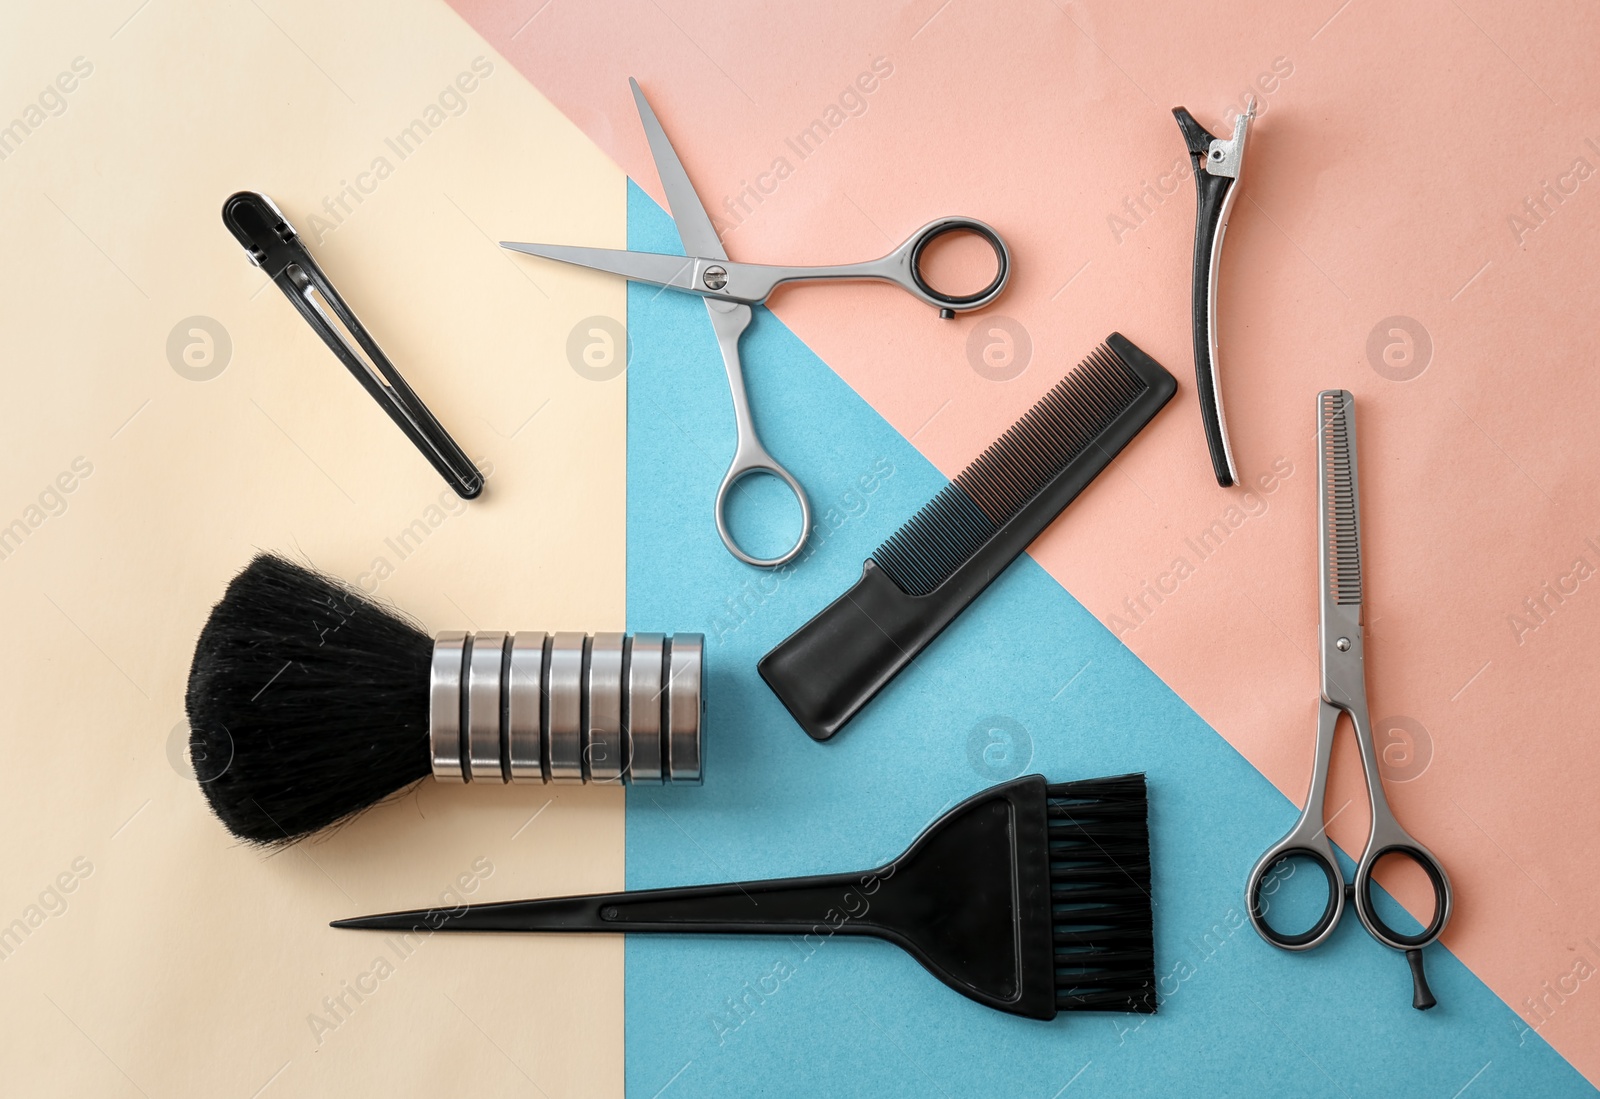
{"points": [[1217, 164]]}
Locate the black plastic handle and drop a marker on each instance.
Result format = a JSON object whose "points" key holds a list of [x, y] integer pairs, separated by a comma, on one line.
{"points": [[970, 899], [781, 906], [831, 667]]}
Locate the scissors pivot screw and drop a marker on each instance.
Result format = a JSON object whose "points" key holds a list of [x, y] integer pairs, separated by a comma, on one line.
{"points": [[1343, 644], [716, 278]]}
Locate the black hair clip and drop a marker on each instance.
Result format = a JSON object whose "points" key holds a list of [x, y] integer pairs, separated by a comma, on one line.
{"points": [[1216, 179], [275, 247]]}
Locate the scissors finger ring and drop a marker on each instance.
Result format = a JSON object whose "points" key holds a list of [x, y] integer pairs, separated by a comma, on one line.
{"points": [[910, 254], [752, 459]]}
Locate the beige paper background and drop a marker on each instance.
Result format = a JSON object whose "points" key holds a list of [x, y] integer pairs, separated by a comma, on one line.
{"points": [[183, 963]]}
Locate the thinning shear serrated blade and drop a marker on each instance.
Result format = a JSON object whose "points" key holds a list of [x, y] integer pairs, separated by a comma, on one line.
{"points": [[1339, 497], [694, 224], [676, 272]]}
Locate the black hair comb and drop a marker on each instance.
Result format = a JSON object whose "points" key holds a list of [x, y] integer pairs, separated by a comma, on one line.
{"points": [[914, 585], [1030, 897]]}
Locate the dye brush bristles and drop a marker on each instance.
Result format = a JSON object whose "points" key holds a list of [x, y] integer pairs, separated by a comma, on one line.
{"points": [[1030, 897], [309, 702], [915, 584]]}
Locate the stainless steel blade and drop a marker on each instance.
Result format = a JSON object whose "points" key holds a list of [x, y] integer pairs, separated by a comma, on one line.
{"points": [[1338, 495], [1344, 680], [694, 224], [676, 272]]}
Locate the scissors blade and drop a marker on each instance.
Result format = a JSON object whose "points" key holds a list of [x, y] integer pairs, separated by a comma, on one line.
{"points": [[676, 272], [1339, 570], [1340, 513], [694, 224]]}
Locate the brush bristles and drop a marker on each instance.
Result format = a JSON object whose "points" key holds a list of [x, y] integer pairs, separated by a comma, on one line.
{"points": [[1100, 894], [307, 702], [1013, 470]]}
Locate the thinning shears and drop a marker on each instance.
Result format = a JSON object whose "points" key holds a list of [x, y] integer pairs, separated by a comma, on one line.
{"points": [[1344, 691], [730, 289]]}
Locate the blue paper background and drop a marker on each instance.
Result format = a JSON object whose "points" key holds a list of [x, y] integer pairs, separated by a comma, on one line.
{"points": [[1026, 680]]}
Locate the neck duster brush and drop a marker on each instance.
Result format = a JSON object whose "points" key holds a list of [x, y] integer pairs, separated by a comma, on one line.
{"points": [[1030, 897], [308, 702]]}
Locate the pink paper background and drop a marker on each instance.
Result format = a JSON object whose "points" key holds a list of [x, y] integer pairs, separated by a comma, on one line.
{"points": [[1394, 146]]}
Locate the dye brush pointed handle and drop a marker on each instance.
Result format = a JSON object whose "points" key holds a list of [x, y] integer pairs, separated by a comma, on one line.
{"points": [[832, 903]]}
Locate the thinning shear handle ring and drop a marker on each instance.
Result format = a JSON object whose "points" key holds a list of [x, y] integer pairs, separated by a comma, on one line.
{"points": [[1302, 843], [1264, 882], [1368, 912], [1410, 945], [749, 461], [911, 252]]}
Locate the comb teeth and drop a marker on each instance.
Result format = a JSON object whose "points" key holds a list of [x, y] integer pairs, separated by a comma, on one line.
{"points": [[1050, 434], [1343, 542], [1100, 895], [1014, 468], [949, 529]]}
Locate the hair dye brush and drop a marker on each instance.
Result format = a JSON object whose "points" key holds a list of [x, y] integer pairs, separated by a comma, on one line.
{"points": [[309, 702], [1031, 898], [915, 584]]}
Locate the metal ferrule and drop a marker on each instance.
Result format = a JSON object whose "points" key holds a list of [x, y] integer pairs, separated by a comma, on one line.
{"points": [[566, 707]]}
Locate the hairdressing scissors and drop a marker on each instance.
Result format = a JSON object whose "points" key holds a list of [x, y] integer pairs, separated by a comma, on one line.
{"points": [[1344, 691], [730, 289]]}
